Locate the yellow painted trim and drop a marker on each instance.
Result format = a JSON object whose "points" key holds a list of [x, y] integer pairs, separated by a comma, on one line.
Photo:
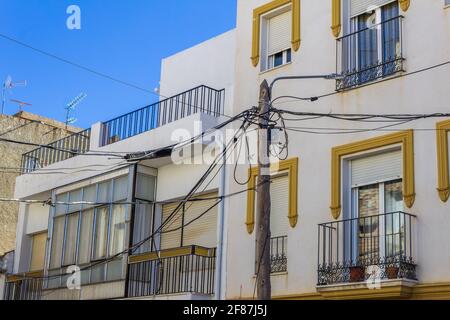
{"points": [[176, 252], [404, 4], [19, 277], [443, 128], [418, 292], [291, 166], [336, 17], [256, 33], [405, 138]]}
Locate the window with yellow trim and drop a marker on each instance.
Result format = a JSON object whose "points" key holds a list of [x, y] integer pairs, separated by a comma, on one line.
{"points": [[287, 167], [404, 140], [276, 33]]}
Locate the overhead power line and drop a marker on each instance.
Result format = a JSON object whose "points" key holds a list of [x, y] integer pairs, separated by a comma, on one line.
{"points": [[97, 73], [316, 98]]}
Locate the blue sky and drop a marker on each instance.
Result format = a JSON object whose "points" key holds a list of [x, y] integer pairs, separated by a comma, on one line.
{"points": [[124, 39]]}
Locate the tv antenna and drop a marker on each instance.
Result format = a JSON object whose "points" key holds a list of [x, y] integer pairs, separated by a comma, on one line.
{"points": [[21, 104], [71, 106], [7, 86]]}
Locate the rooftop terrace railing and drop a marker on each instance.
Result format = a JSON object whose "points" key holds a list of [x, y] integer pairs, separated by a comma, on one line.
{"points": [[201, 99], [63, 149]]}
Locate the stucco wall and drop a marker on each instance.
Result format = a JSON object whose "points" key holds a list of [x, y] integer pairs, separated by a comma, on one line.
{"points": [[426, 35], [209, 63]]}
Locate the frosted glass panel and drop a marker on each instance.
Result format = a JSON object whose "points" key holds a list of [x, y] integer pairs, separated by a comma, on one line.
{"points": [[104, 192], [120, 188], [57, 242], [71, 239], [61, 208], [75, 196], [101, 232], [84, 252], [145, 187]]}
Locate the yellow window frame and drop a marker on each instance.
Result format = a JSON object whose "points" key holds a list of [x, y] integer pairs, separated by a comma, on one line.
{"points": [[405, 138], [291, 167], [256, 35]]}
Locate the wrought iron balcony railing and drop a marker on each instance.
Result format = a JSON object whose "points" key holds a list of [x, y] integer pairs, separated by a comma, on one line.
{"points": [[201, 99], [278, 254], [368, 248], [176, 271], [24, 287], [66, 148], [369, 54]]}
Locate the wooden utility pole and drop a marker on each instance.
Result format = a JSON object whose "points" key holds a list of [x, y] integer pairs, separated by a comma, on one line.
{"points": [[264, 289]]}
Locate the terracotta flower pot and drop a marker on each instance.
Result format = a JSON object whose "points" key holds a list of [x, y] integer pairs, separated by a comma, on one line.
{"points": [[357, 274], [392, 272]]}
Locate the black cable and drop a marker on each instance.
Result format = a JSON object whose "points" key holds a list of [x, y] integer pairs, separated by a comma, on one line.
{"points": [[316, 98], [90, 70]]}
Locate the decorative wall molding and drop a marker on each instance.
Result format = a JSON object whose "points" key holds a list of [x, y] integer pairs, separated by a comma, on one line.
{"points": [[290, 166], [336, 10], [404, 4], [256, 35], [405, 138], [443, 128]]}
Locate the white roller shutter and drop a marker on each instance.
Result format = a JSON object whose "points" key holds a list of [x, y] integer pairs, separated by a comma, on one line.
{"points": [[279, 33], [173, 239], [358, 7], [279, 192], [202, 232], [377, 168]]}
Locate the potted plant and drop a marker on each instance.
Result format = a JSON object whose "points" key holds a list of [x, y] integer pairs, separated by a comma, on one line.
{"points": [[357, 273], [392, 272]]}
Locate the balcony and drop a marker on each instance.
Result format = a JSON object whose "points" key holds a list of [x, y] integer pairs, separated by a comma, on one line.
{"points": [[24, 287], [369, 54], [66, 148], [201, 99], [186, 270], [367, 249]]}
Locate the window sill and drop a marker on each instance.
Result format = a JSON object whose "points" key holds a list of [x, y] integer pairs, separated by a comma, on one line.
{"points": [[384, 289], [276, 68]]}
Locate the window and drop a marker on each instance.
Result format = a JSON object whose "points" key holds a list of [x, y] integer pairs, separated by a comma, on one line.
{"points": [[284, 34], [38, 251], [287, 166], [372, 46], [90, 225], [279, 225], [188, 229], [403, 138], [84, 252], [144, 212], [70, 247], [276, 39], [101, 232]]}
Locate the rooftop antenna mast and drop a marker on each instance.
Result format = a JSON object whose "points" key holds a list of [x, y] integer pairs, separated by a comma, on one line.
{"points": [[71, 106], [21, 104], [7, 86]]}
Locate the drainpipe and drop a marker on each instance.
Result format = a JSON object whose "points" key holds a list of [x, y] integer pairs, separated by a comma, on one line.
{"points": [[220, 231]]}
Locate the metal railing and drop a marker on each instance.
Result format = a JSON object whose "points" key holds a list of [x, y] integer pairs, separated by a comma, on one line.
{"points": [[66, 148], [360, 249], [278, 254], [28, 288], [182, 270], [369, 54], [200, 99]]}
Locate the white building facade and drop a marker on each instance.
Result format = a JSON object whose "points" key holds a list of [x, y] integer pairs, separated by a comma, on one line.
{"points": [[365, 208]]}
